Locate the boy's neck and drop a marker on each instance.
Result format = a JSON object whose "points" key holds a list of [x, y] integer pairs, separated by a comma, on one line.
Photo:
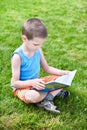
{"points": [[27, 52]]}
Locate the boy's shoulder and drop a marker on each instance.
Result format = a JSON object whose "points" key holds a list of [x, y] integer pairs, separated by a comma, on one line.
{"points": [[17, 51]]}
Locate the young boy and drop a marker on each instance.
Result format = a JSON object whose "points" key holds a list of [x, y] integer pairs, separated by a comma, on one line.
{"points": [[26, 61]]}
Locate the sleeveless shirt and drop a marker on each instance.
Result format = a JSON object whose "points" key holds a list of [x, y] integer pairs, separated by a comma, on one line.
{"points": [[30, 66]]}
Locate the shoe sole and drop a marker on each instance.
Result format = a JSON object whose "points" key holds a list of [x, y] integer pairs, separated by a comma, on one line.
{"points": [[54, 111]]}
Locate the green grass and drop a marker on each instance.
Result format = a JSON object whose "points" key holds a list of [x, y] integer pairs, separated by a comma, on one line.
{"points": [[65, 48]]}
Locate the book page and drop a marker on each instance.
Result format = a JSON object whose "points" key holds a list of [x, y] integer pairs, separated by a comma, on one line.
{"points": [[66, 79]]}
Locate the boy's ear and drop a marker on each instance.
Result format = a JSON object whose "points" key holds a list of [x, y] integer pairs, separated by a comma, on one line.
{"points": [[24, 38]]}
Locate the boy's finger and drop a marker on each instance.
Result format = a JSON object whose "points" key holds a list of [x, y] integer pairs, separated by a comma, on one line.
{"points": [[41, 85]]}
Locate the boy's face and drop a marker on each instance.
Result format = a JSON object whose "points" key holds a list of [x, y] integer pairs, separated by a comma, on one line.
{"points": [[34, 44]]}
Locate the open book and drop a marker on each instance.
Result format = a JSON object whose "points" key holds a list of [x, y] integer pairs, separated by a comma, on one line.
{"points": [[60, 82]]}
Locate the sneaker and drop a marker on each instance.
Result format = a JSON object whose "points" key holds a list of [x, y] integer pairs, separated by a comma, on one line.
{"points": [[48, 105], [63, 94]]}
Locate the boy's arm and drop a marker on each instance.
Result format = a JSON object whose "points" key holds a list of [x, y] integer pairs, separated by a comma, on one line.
{"points": [[50, 69], [16, 63]]}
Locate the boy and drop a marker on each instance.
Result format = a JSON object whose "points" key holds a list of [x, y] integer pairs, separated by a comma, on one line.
{"points": [[26, 61]]}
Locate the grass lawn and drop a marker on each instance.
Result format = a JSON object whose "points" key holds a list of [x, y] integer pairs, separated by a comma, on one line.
{"points": [[65, 48]]}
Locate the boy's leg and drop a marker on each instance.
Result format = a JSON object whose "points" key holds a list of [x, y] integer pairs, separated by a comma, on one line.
{"points": [[24, 94], [33, 96], [47, 103], [55, 92], [29, 95]]}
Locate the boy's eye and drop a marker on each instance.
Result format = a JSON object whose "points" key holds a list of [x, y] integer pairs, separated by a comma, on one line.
{"points": [[36, 44]]}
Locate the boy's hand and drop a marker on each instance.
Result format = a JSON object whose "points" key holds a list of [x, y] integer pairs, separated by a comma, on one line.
{"points": [[38, 84]]}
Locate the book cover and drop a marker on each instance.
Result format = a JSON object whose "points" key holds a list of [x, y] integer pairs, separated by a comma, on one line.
{"points": [[60, 82]]}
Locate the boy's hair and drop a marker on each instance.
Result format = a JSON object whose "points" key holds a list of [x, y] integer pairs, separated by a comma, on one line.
{"points": [[34, 27]]}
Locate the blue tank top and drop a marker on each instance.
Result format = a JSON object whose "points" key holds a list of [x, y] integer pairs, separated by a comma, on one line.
{"points": [[30, 67]]}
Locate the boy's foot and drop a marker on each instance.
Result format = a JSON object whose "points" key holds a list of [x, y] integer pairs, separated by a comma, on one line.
{"points": [[63, 94], [48, 105]]}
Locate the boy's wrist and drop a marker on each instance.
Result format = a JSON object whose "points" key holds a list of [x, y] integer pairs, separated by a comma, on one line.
{"points": [[30, 83]]}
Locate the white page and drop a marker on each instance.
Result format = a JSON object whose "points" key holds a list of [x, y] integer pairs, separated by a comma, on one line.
{"points": [[66, 79]]}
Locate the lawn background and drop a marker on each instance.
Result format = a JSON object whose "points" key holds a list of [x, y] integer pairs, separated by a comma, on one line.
{"points": [[65, 48]]}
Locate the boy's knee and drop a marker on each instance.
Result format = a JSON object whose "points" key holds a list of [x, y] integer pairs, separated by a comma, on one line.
{"points": [[33, 96]]}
